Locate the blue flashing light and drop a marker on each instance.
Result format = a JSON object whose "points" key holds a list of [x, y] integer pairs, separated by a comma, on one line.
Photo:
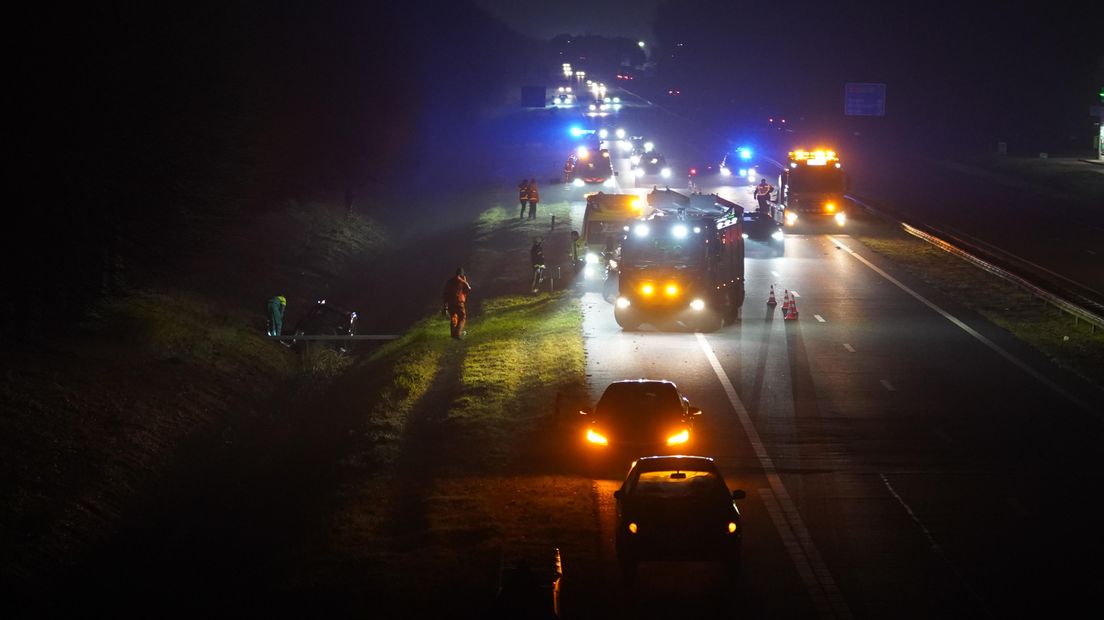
{"points": [[576, 131], [745, 153]]}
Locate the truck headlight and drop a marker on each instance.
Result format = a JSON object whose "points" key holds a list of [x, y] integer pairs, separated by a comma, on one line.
{"points": [[623, 303], [591, 258], [665, 173], [697, 304]]}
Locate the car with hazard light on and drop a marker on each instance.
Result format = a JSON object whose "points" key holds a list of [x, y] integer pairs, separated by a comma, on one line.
{"points": [[812, 188], [639, 417], [677, 508]]}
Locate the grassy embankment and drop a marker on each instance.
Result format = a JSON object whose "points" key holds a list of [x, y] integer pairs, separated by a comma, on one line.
{"points": [[1054, 333], [458, 465], [96, 415]]}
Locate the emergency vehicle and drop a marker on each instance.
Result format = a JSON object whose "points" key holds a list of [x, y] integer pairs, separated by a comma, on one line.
{"points": [[587, 165], [604, 222], [812, 188], [682, 264]]}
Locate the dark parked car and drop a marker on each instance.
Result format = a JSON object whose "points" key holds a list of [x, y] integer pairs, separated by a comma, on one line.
{"points": [[640, 417], [676, 508], [325, 319], [765, 230]]}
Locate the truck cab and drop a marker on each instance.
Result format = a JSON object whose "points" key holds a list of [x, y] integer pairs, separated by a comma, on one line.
{"points": [[604, 222], [682, 266], [812, 189]]}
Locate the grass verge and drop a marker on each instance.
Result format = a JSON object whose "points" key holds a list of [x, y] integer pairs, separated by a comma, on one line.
{"points": [[1071, 345]]}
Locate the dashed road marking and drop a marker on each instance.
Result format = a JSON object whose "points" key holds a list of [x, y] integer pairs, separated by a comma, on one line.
{"points": [[850, 349], [819, 318], [1015, 361], [889, 386], [934, 545], [787, 520]]}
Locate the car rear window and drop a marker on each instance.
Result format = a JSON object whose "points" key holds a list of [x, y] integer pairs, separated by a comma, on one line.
{"points": [[641, 398], [677, 484]]}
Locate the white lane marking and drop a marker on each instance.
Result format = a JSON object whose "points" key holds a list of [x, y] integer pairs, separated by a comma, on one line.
{"points": [[934, 545], [776, 274], [889, 386], [794, 549], [819, 318], [849, 348], [796, 294], [969, 330], [806, 557]]}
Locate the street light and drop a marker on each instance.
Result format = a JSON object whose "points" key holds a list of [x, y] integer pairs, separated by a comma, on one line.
{"points": [[640, 43]]}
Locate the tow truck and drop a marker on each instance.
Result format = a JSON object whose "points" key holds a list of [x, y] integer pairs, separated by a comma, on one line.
{"points": [[812, 188], [604, 221], [683, 263]]}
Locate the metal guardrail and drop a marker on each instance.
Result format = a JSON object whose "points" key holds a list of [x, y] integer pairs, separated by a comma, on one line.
{"points": [[971, 255]]}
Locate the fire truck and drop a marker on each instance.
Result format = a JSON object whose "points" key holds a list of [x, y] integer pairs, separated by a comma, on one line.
{"points": [[812, 187], [682, 265]]}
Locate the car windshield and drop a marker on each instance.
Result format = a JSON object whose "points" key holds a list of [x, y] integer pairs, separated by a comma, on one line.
{"points": [[680, 484], [636, 401], [662, 247]]}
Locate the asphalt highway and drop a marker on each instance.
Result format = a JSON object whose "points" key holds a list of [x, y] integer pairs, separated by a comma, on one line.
{"points": [[902, 457]]}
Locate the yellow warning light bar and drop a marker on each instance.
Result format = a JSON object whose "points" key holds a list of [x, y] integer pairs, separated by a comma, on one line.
{"points": [[819, 157]]}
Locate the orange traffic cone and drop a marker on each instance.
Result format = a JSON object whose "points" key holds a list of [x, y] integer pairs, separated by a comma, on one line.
{"points": [[792, 314], [785, 302], [771, 301]]}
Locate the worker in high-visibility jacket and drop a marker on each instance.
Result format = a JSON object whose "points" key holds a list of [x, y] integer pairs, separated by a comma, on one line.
{"points": [[454, 301], [523, 197], [276, 307], [534, 198]]}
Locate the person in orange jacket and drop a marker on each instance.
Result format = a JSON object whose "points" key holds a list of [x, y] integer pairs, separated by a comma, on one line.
{"points": [[454, 302], [534, 198], [523, 196]]}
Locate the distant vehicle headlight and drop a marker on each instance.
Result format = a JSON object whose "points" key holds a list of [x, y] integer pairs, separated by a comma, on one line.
{"points": [[603, 133], [744, 235], [841, 218], [634, 159], [620, 132], [791, 218], [593, 107], [591, 258], [665, 173], [648, 146], [751, 174], [697, 304], [743, 172], [777, 235], [577, 182], [725, 172], [680, 231], [622, 303]]}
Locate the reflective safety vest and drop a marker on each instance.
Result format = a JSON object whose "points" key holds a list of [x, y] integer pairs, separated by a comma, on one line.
{"points": [[534, 195]]}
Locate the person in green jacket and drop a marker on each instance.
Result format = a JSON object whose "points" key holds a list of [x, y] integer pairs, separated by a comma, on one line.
{"points": [[276, 307]]}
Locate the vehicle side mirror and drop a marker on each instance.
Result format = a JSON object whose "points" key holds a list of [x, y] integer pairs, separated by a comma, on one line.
{"points": [[585, 411], [739, 494], [617, 494], [694, 411]]}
